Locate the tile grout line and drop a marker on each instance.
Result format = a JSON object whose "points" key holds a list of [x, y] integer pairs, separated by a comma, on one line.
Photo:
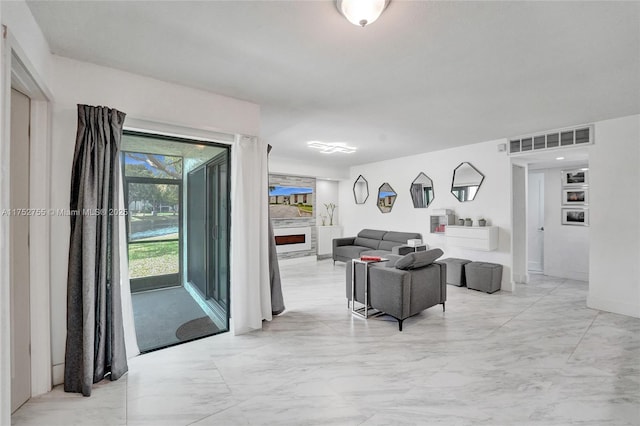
{"points": [[583, 334], [524, 310]]}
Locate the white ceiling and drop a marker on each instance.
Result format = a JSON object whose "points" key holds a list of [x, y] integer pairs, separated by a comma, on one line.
{"points": [[427, 75]]}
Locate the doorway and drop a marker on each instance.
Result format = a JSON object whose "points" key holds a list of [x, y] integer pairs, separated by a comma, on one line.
{"points": [[535, 222], [176, 193], [543, 242], [19, 251]]}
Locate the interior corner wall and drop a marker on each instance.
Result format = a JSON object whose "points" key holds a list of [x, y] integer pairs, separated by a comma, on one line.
{"points": [[139, 97], [566, 247], [614, 269], [493, 201], [30, 40]]}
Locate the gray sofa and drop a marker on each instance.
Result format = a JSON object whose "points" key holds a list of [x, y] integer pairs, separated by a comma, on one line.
{"points": [[403, 286], [371, 242]]}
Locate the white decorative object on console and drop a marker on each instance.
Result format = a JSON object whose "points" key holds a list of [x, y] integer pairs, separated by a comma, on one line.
{"points": [[483, 238], [414, 243]]}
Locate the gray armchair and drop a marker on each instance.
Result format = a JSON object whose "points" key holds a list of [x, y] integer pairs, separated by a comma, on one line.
{"points": [[405, 287]]}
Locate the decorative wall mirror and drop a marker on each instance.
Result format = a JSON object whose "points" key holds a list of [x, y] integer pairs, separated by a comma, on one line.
{"points": [[360, 190], [386, 197], [466, 182], [422, 191]]}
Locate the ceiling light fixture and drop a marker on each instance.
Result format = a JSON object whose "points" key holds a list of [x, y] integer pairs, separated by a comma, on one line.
{"points": [[362, 12], [559, 158], [330, 148]]}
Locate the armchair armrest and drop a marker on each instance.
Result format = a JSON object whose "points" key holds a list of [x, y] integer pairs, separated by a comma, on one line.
{"points": [[390, 291]]}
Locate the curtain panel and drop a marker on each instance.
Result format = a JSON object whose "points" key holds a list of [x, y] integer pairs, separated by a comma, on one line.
{"points": [[95, 346], [250, 275]]}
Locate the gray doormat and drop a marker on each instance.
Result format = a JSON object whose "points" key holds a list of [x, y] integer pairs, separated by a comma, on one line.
{"points": [[198, 327]]}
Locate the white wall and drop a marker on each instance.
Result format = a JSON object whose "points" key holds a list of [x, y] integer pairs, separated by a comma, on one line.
{"points": [[518, 196], [566, 247], [141, 98], [614, 270], [493, 201]]}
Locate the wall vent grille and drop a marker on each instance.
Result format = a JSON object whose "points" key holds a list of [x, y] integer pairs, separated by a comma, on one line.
{"points": [[562, 138]]}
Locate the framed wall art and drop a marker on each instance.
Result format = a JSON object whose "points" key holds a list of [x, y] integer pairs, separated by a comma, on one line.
{"points": [[575, 196], [576, 177], [575, 216]]}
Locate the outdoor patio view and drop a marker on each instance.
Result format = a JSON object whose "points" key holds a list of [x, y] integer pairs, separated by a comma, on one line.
{"points": [[153, 189]]}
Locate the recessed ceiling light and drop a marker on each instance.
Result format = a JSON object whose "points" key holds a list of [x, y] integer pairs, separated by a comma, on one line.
{"points": [[330, 148], [559, 158]]}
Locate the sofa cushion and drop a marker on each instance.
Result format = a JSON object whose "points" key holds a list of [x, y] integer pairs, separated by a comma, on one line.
{"points": [[419, 259], [389, 245], [401, 237], [371, 233], [352, 252], [366, 242]]}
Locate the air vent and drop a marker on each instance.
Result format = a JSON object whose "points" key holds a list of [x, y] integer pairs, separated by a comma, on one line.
{"points": [[562, 138]]}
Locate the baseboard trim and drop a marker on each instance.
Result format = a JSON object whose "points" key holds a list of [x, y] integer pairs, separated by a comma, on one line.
{"points": [[569, 275], [614, 306], [57, 374], [521, 278]]}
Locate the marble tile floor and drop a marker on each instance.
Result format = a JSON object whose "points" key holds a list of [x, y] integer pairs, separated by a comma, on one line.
{"points": [[537, 356]]}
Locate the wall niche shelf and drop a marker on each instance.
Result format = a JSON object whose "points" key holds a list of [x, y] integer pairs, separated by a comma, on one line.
{"points": [[484, 238], [440, 219]]}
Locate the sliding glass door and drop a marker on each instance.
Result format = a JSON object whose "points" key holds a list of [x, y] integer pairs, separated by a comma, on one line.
{"points": [[208, 208], [177, 193]]}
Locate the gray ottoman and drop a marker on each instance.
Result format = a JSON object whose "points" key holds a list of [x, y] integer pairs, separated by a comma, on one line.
{"points": [[483, 276], [455, 270]]}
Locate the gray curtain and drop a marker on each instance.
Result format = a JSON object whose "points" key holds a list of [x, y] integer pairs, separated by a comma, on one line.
{"points": [[277, 300], [95, 336]]}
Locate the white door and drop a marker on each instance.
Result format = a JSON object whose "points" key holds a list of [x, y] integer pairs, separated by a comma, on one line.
{"points": [[535, 222], [19, 257]]}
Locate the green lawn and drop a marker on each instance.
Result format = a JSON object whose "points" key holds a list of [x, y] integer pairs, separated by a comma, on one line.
{"points": [[153, 258]]}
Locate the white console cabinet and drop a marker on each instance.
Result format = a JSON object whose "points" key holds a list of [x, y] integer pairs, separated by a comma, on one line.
{"points": [[326, 234], [483, 238]]}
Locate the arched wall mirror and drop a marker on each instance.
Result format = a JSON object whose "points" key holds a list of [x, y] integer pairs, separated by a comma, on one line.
{"points": [[386, 197], [466, 182], [422, 192], [360, 190]]}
